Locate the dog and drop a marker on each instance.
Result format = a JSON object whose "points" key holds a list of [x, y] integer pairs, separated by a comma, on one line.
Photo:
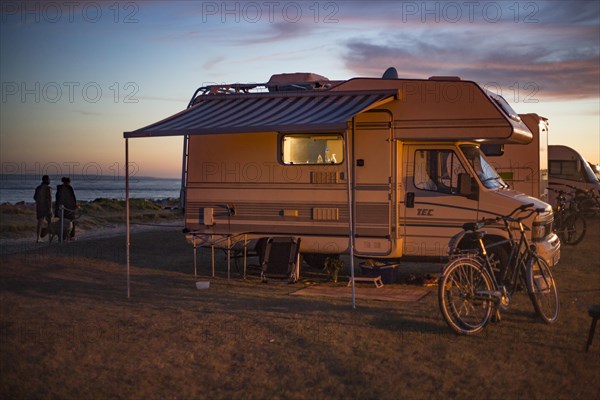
{"points": [[53, 229]]}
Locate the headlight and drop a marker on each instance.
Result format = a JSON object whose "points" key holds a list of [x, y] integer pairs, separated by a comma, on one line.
{"points": [[541, 229], [537, 232]]}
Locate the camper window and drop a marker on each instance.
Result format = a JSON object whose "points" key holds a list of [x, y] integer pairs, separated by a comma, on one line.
{"points": [[505, 107], [310, 149], [437, 170], [565, 169]]}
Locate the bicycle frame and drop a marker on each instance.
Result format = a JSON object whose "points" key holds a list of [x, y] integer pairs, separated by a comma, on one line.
{"points": [[520, 253]]}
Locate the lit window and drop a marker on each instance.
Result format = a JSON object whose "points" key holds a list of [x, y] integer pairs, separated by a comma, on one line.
{"points": [[305, 149]]}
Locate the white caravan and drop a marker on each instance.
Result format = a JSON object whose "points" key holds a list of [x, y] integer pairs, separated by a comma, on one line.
{"points": [[569, 169], [275, 163]]}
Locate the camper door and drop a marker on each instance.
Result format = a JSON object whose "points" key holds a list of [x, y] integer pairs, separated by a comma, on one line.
{"points": [[373, 178], [439, 198]]}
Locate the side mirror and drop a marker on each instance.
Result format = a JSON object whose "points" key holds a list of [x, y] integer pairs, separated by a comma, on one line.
{"points": [[492, 150]]}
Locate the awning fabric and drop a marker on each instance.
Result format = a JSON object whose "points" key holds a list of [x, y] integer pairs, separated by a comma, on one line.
{"points": [[267, 112]]}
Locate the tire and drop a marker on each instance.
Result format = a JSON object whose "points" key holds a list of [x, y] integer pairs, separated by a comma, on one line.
{"points": [[463, 310], [574, 229], [542, 290]]}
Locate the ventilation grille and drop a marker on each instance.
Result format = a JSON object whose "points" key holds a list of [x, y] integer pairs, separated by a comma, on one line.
{"points": [[323, 177], [325, 214]]}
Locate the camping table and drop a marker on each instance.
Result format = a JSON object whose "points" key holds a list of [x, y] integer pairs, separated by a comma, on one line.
{"points": [[205, 240]]}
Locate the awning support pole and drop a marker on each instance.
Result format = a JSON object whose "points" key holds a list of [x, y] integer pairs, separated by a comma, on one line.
{"points": [[212, 254], [350, 216], [245, 253], [195, 262], [184, 167], [127, 235], [228, 257]]}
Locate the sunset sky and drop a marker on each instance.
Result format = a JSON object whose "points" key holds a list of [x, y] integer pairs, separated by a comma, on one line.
{"points": [[76, 75]]}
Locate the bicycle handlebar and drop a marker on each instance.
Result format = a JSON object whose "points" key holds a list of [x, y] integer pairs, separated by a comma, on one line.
{"points": [[577, 190]]}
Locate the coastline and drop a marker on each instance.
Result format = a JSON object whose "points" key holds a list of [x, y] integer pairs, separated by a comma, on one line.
{"points": [[18, 188]]}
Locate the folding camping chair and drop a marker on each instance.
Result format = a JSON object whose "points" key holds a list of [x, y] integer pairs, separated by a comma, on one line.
{"points": [[281, 259]]}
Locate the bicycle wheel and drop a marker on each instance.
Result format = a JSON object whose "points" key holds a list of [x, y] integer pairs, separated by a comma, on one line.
{"points": [[589, 207], [542, 289], [464, 296], [574, 229]]}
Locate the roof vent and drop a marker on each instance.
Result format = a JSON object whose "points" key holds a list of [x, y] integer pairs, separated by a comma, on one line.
{"points": [[297, 81], [444, 78], [296, 77], [390, 73]]}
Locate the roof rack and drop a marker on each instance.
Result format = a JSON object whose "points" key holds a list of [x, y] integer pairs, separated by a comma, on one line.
{"points": [[270, 87]]}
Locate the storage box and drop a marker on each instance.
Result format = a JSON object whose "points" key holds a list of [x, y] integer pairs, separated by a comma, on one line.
{"points": [[387, 272]]}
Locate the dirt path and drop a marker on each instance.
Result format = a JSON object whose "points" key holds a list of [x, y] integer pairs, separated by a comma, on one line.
{"points": [[20, 245]]}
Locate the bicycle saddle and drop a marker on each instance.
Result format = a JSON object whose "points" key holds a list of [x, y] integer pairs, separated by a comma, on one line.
{"points": [[473, 226]]}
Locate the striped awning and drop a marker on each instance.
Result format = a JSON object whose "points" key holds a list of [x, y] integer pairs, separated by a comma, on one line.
{"points": [[267, 112]]}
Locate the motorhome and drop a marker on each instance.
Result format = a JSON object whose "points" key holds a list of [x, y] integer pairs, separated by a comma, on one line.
{"points": [[569, 169], [393, 165], [595, 169], [524, 167]]}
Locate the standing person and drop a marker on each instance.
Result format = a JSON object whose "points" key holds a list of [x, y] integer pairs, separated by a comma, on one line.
{"points": [[65, 196], [43, 204]]}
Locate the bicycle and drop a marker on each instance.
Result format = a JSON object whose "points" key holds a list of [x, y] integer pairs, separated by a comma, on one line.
{"points": [[469, 293], [569, 224], [588, 202]]}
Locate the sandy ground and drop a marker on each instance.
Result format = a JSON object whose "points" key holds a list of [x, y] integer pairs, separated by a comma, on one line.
{"points": [[67, 330]]}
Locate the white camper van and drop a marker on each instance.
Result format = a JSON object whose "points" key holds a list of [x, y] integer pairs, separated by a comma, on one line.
{"points": [[595, 169], [400, 156], [568, 168], [524, 167]]}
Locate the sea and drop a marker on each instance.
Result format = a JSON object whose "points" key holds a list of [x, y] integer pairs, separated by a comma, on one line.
{"points": [[15, 188]]}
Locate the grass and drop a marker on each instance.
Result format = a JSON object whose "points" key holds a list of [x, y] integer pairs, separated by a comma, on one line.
{"points": [[67, 330], [19, 220]]}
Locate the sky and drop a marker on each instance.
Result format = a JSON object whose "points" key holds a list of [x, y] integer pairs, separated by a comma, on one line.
{"points": [[75, 75]]}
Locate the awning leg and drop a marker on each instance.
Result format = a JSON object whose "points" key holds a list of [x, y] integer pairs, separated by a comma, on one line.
{"points": [[127, 235], [350, 216], [195, 262]]}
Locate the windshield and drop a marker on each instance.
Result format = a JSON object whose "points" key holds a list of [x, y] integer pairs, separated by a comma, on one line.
{"points": [[592, 177], [595, 170], [486, 173]]}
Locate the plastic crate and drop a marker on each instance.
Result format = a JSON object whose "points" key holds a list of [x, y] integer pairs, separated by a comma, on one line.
{"points": [[387, 272]]}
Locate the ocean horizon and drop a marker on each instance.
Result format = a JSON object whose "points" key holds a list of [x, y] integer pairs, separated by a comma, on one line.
{"points": [[15, 188]]}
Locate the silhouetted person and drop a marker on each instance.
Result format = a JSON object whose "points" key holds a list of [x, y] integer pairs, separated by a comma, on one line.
{"points": [[43, 204], [65, 196]]}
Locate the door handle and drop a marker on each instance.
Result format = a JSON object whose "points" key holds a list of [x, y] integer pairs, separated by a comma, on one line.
{"points": [[410, 200]]}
